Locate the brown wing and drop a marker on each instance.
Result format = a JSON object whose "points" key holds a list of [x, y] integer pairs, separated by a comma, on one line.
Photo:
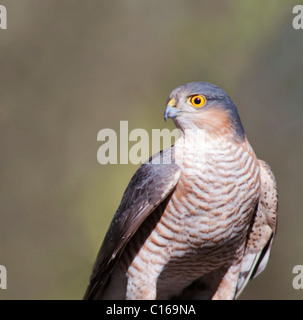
{"points": [[262, 231], [149, 186]]}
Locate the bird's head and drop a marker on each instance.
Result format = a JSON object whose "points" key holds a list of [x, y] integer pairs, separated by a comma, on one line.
{"points": [[205, 106]]}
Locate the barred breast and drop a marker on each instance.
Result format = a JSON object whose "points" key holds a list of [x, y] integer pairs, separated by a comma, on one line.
{"points": [[204, 224]]}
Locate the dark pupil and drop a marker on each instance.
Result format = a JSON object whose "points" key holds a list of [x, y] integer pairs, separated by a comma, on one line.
{"points": [[197, 101]]}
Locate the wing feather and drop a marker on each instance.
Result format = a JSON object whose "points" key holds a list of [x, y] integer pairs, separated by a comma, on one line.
{"points": [[263, 229], [149, 186]]}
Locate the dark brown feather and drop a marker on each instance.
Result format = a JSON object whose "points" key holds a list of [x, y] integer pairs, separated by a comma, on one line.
{"points": [[150, 185]]}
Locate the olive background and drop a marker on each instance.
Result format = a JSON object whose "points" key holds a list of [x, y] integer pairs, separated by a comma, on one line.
{"points": [[69, 68]]}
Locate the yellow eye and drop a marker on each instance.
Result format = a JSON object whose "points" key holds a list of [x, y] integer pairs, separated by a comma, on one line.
{"points": [[197, 101]]}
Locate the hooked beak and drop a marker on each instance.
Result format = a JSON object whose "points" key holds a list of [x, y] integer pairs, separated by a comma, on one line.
{"points": [[171, 110]]}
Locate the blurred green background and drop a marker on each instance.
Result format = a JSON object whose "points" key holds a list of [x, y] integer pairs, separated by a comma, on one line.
{"points": [[71, 68]]}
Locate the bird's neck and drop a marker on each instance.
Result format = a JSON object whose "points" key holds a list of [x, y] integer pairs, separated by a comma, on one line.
{"points": [[217, 123]]}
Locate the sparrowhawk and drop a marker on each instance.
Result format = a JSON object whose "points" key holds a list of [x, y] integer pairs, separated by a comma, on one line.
{"points": [[197, 220]]}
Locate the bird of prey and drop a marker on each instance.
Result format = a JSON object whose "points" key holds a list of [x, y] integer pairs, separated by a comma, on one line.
{"points": [[197, 220]]}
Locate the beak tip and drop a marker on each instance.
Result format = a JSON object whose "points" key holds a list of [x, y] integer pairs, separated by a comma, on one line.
{"points": [[165, 116], [170, 112]]}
